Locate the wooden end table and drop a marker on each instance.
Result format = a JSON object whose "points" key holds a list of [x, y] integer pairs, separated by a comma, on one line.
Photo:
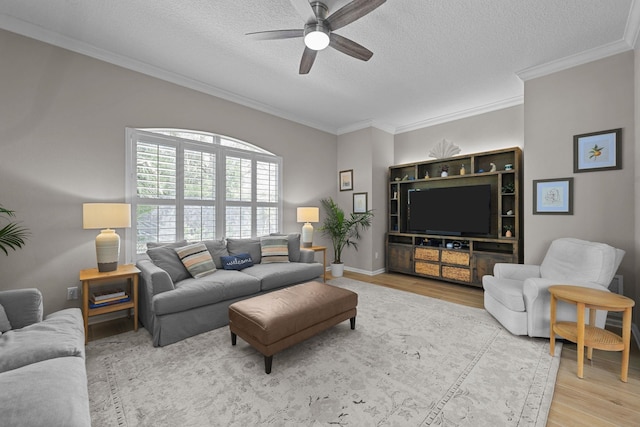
{"points": [[322, 249], [92, 276], [590, 335]]}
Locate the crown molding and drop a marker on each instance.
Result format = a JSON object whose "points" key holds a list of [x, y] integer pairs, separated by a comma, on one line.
{"points": [[633, 24], [574, 60], [462, 114], [28, 30], [367, 124]]}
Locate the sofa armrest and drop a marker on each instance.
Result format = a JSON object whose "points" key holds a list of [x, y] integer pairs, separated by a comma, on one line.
{"points": [[23, 306], [516, 271], [153, 279], [307, 255]]}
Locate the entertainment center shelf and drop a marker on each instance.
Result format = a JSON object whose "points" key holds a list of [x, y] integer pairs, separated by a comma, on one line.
{"points": [[461, 258]]}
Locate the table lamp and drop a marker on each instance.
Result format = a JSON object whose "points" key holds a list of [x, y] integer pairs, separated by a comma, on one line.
{"points": [[308, 215], [106, 216]]}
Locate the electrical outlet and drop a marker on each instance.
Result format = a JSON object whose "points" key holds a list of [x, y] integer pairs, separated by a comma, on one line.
{"points": [[72, 293]]}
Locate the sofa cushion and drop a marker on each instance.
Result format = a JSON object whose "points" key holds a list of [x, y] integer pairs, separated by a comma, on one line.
{"points": [[48, 393], [167, 259], [294, 245], [274, 249], [244, 246], [5, 325], [236, 262], [60, 334], [196, 259], [507, 292], [277, 275], [217, 249], [191, 293]]}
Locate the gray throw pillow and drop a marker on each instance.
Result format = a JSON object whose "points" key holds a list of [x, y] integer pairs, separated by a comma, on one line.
{"points": [[5, 325], [217, 249], [245, 246], [167, 259]]}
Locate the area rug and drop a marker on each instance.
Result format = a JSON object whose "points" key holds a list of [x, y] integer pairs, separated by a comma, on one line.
{"points": [[411, 361]]}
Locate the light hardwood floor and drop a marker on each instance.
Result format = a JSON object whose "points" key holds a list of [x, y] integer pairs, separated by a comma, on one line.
{"points": [[599, 399]]}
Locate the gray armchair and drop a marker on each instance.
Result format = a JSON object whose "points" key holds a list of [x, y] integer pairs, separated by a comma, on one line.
{"points": [[517, 295]]}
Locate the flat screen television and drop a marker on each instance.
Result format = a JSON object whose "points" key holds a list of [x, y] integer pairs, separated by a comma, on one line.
{"points": [[454, 211]]}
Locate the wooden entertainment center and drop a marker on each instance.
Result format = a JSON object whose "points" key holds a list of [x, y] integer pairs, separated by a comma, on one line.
{"points": [[465, 258]]}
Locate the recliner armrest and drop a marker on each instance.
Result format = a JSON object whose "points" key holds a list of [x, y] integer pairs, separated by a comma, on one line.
{"points": [[23, 306], [515, 271]]}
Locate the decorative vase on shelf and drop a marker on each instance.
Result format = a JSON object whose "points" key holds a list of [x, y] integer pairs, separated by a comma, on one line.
{"points": [[508, 233], [444, 173], [462, 170]]}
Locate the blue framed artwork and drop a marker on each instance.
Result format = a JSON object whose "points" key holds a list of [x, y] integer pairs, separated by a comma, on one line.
{"points": [[553, 196], [597, 151]]}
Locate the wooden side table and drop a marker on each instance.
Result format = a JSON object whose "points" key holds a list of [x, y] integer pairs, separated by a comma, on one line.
{"points": [[590, 335], [92, 276], [322, 249]]}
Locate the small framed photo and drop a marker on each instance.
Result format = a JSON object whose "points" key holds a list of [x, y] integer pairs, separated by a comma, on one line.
{"points": [[597, 151], [346, 180], [553, 196], [359, 202]]}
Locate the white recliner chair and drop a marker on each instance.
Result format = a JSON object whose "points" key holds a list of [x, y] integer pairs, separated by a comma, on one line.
{"points": [[517, 294]]}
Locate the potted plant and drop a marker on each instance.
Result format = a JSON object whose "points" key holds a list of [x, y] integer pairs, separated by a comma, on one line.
{"points": [[343, 230], [508, 229], [12, 235]]}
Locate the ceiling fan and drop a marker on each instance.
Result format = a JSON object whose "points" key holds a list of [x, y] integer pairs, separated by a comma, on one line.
{"points": [[318, 32]]}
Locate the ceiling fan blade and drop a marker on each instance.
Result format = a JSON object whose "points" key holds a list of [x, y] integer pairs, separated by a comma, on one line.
{"points": [[308, 57], [349, 47], [276, 34], [351, 12]]}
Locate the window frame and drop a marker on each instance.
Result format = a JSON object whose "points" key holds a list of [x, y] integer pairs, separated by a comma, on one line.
{"points": [[254, 153]]}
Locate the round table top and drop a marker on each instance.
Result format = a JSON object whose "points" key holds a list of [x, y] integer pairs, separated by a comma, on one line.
{"points": [[590, 296]]}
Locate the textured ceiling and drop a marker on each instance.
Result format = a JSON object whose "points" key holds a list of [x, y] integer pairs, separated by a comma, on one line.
{"points": [[433, 60]]}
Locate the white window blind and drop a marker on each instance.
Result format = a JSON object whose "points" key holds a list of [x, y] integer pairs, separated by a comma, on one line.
{"points": [[188, 185]]}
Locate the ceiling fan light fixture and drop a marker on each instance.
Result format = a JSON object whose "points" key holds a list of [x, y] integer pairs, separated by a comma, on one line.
{"points": [[316, 36]]}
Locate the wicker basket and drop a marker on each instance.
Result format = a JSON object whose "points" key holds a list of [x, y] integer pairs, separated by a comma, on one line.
{"points": [[427, 268], [427, 254], [454, 257], [454, 273]]}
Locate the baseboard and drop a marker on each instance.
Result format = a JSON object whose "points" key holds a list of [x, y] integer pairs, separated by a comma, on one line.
{"points": [[365, 272]]}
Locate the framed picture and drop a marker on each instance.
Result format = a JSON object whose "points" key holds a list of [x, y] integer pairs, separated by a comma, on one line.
{"points": [[346, 180], [553, 196], [597, 151], [359, 202]]}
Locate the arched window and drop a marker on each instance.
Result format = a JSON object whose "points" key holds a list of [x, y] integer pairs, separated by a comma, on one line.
{"points": [[191, 185]]}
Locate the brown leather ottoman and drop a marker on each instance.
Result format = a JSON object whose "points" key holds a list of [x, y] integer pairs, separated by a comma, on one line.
{"points": [[280, 319]]}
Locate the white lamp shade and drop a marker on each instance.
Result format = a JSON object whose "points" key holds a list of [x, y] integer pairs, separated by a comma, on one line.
{"points": [[316, 40], [308, 214], [106, 215]]}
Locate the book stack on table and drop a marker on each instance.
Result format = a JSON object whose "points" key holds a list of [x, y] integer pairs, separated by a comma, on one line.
{"points": [[113, 296]]}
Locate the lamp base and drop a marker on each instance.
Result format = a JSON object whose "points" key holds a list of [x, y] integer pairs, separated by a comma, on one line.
{"points": [[107, 250], [307, 235]]}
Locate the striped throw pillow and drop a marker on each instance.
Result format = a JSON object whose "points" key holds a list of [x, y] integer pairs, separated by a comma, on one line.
{"points": [[196, 259], [274, 249]]}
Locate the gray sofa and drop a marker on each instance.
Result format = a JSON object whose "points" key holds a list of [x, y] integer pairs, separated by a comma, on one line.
{"points": [[43, 380], [173, 305]]}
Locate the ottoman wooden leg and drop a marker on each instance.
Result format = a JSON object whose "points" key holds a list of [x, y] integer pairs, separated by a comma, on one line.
{"points": [[233, 338], [267, 364], [353, 322]]}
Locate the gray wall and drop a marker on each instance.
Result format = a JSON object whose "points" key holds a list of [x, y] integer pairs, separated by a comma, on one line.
{"points": [[484, 132], [369, 152], [588, 98], [62, 131]]}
